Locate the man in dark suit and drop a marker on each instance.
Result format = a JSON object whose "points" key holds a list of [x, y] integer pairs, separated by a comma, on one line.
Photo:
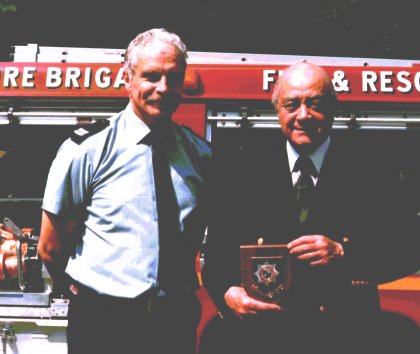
{"points": [[344, 218]]}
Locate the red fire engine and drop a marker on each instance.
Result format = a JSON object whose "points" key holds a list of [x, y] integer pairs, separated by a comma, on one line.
{"points": [[46, 91]]}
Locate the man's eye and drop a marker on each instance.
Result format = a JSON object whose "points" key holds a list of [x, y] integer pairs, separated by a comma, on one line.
{"points": [[175, 79], [314, 103], [291, 105], [152, 77]]}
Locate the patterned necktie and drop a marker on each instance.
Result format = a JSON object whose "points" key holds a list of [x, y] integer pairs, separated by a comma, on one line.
{"points": [[304, 186], [168, 210]]}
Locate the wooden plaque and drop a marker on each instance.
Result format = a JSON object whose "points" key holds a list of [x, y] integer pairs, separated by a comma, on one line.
{"points": [[266, 271]]}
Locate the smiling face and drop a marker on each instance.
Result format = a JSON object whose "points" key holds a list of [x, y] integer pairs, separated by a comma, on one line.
{"points": [[156, 86], [305, 106]]}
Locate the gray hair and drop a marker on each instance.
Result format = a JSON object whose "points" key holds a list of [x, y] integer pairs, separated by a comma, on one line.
{"points": [[144, 39]]}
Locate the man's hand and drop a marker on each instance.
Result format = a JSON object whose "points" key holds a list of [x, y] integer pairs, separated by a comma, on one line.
{"points": [[316, 249], [242, 305]]}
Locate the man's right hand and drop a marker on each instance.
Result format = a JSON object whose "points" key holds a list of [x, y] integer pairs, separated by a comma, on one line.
{"points": [[242, 305]]}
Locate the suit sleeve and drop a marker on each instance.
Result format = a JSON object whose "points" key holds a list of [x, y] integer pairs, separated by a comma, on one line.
{"points": [[221, 256]]}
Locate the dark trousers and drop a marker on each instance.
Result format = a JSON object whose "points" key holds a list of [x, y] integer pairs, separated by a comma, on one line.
{"points": [[375, 333], [105, 324]]}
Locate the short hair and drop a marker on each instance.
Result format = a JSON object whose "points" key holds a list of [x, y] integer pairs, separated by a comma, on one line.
{"points": [[146, 38], [329, 87]]}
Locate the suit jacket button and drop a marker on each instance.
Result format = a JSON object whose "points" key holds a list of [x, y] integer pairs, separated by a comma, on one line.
{"points": [[322, 308]]}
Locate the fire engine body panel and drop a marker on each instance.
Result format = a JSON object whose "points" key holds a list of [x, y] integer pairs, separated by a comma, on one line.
{"points": [[46, 92]]}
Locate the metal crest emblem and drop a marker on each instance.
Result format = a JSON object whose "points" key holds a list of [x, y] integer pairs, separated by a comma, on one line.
{"points": [[266, 271]]}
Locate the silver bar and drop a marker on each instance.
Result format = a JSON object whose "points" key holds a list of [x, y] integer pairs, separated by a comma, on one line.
{"points": [[23, 299], [21, 200], [59, 114], [72, 118], [51, 118], [337, 119], [28, 311], [271, 125]]}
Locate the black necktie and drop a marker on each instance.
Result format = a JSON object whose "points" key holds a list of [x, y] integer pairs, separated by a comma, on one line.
{"points": [[167, 208], [304, 186]]}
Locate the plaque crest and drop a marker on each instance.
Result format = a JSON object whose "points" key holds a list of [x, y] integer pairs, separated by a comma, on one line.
{"points": [[266, 271]]}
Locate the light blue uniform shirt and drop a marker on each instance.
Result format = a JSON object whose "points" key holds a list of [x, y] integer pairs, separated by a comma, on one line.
{"points": [[107, 183]]}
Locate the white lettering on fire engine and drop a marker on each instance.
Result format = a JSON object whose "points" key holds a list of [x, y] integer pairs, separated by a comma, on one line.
{"points": [[101, 80], [119, 81], [416, 81], [386, 79], [53, 79], [370, 81], [268, 77], [88, 78], [401, 76], [369, 78], [72, 77], [28, 76], [10, 75], [340, 82]]}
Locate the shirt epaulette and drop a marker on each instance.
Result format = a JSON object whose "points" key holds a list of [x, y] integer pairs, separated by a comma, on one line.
{"points": [[81, 134]]}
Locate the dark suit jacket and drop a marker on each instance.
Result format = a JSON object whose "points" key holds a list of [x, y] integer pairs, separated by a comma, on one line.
{"points": [[359, 197]]}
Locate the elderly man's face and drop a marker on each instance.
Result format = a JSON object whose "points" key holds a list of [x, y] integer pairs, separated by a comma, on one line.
{"points": [[304, 108], [155, 90]]}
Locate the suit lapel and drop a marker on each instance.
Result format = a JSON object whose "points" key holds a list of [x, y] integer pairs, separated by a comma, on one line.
{"points": [[279, 217], [329, 201]]}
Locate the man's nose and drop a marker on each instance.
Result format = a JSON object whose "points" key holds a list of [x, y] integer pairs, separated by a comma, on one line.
{"points": [[162, 85], [303, 111]]}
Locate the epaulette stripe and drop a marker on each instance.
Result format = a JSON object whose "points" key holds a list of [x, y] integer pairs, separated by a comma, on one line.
{"points": [[81, 134]]}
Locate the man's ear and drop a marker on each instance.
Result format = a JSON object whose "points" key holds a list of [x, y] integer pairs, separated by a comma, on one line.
{"points": [[127, 81]]}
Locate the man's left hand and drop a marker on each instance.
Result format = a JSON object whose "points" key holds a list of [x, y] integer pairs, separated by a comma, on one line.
{"points": [[316, 249]]}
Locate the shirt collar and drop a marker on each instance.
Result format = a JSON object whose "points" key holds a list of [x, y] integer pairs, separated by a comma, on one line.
{"points": [[317, 156], [136, 128]]}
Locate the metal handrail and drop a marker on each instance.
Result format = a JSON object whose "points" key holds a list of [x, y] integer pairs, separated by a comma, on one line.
{"points": [[336, 119], [51, 117], [57, 114]]}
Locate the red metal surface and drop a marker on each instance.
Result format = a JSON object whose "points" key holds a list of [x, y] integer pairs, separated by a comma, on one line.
{"points": [[402, 296], [192, 115], [405, 302], [377, 84], [206, 81]]}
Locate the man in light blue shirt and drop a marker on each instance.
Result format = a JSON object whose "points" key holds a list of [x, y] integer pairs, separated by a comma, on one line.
{"points": [[100, 214]]}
